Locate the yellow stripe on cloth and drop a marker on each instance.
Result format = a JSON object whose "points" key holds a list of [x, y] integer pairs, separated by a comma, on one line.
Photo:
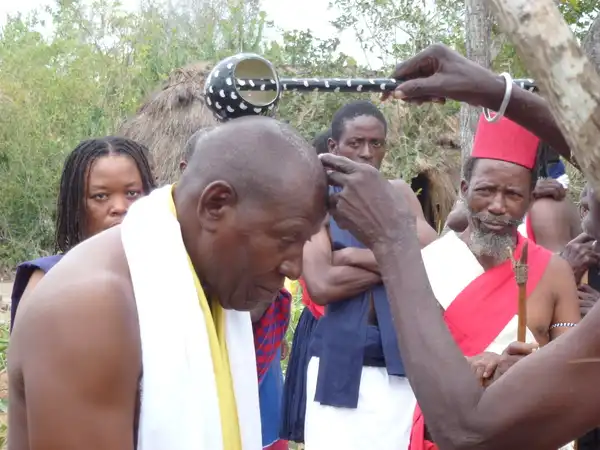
{"points": [[214, 316], [290, 286]]}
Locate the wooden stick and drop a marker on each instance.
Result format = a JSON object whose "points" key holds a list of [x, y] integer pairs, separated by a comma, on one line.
{"points": [[520, 269], [566, 78]]}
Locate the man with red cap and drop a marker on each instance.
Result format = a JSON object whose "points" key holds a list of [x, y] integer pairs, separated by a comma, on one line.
{"points": [[471, 274]]}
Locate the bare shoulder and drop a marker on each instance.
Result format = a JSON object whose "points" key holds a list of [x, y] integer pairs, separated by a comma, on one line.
{"points": [[425, 232], [76, 344], [558, 266], [404, 189], [86, 296], [544, 210], [561, 284], [402, 186]]}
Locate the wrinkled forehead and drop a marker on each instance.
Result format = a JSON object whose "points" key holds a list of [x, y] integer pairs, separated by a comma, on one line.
{"points": [[499, 172], [290, 206]]}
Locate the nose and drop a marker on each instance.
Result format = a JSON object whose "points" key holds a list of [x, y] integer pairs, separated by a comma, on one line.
{"points": [[119, 206], [292, 267], [497, 205], [365, 152]]}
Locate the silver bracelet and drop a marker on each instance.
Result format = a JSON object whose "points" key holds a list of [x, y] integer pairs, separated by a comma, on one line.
{"points": [[563, 325], [507, 93]]}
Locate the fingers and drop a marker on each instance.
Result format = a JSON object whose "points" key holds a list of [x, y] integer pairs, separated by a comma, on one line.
{"points": [[490, 368], [586, 288], [338, 163], [592, 258], [336, 178], [419, 88], [555, 192], [586, 304], [521, 349], [332, 202], [582, 239]]}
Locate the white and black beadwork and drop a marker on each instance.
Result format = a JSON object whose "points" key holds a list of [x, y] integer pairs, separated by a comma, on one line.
{"points": [[247, 84], [226, 80]]}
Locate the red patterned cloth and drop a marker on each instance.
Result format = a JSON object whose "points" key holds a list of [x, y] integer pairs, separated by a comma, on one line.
{"points": [[279, 445], [270, 330]]}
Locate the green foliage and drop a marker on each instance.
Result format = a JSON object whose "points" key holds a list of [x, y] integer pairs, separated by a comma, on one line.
{"points": [[81, 81], [98, 62], [579, 14]]}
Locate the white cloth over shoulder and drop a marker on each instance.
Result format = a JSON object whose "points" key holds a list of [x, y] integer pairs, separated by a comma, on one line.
{"points": [[449, 280], [179, 403], [451, 267]]}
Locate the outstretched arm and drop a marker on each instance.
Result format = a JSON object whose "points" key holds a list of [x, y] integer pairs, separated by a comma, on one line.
{"points": [[544, 401], [440, 72], [460, 413], [527, 109]]}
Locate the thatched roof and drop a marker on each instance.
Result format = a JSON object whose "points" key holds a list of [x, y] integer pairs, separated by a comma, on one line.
{"points": [[169, 117], [172, 114], [434, 154]]}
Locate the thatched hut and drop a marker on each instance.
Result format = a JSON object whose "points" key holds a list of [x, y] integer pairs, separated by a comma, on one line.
{"points": [[173, 113], [436, 185], [169, 117], [424, 147]]}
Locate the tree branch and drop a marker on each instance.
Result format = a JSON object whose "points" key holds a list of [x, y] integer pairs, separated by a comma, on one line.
{"points": [[567, 79]]}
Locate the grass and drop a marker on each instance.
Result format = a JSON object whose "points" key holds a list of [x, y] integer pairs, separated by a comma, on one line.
{"points": [[4, 334]]}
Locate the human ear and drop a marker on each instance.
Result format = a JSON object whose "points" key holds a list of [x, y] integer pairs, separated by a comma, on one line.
{"points": [[216, 200], [331, 145], [464, 188]]}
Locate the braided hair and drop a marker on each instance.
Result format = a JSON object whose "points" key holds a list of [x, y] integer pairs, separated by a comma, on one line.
{"points": [[71, 206]]}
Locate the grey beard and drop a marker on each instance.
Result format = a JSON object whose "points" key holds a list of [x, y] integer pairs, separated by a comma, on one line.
{"points": [[495, 246]]}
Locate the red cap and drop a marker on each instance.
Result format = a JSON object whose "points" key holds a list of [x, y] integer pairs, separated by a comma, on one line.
{"points": [[506, 141]]}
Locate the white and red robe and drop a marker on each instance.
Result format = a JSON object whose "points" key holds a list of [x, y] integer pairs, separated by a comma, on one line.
{"points": [[480, 306]]}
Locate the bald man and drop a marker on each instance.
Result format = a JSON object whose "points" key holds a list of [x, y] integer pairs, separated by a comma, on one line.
{"points": [[151, 342]]}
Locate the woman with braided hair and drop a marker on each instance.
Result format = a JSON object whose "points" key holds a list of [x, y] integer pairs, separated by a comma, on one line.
{"points": [[101, 178]]}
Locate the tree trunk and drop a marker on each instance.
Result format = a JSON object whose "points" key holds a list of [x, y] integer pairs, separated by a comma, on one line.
{"points": [[478, 34], [567, 78], [591, 43]]}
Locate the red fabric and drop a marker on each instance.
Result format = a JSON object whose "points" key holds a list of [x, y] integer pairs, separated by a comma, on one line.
{"points": [[316, 310], [279, 445], [506, 141], [481, 311], [270, 330]]}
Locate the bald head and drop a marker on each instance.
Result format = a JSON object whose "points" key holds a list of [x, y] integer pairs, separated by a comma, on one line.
{"points": [[258, 156], [253, 193]]}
